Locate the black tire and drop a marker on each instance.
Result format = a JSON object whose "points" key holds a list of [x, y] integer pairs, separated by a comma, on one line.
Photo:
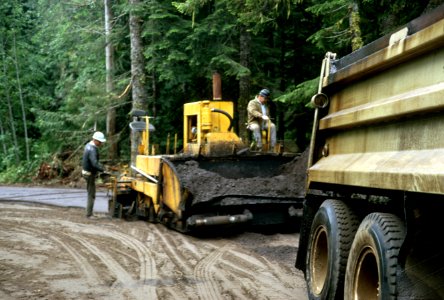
{"points": [[152, 217], [130, 213], [112, 205], [373, 260], [331, 236]]}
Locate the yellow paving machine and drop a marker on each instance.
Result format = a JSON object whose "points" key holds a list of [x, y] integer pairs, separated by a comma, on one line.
{"points": [[214, 181]]}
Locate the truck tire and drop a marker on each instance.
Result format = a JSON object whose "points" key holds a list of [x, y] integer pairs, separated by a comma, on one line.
{"points": [[331, 236], [373, 260]]}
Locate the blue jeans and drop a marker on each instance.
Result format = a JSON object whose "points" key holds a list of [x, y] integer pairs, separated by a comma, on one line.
{"points": [[256, 130]]}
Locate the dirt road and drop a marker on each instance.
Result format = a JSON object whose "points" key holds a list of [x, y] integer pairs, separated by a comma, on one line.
{"points": [[49, 252]]}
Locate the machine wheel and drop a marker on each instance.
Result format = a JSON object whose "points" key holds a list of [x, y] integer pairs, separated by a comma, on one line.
{"points": [[112, 205], [152, 213], [115, 207], [143, 207], [119, 210], [373, 260], [131, 212], [331, 236]]}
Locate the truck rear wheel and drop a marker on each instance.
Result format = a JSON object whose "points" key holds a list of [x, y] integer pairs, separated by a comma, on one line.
{"points": [[373, 260], [331, 236]]}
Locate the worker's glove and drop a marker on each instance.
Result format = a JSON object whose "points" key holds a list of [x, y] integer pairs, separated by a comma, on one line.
{"points": [[86, 174], [105, 176], [265, 118]]}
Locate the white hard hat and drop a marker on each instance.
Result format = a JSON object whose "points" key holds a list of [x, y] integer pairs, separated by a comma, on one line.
{"points": [[99, 136]]}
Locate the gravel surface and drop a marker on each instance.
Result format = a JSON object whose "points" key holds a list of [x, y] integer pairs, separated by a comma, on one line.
{"points": [[50, 252], [54, 252]]}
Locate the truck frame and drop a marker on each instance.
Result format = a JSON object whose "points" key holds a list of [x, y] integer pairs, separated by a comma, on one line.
{"points": [[373, 211]]}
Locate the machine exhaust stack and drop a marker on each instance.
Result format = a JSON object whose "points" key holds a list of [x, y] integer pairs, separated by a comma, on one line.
{"points": [[217, 86]]}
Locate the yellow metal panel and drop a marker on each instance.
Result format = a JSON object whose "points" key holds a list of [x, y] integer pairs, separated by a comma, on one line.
{"points": [[432, 36], [137, 185], [171, 189], [148, 164], [145, 187], [220, 122], [430, 98], [222, 137], [409, 80], [411, 134], [206, 121], [415, 171], [192, 148], [206, 116], [150, 189]]}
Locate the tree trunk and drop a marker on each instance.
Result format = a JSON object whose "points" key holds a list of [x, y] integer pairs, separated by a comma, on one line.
{"points": [[109, 63], [244, 84], [11, 115], [22, 102], [154, 38], [139, 93], [2, 134], [355, 29]]}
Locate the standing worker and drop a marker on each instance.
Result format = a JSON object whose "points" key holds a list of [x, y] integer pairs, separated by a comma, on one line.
{"points": [[91, 166], [258, 119]]}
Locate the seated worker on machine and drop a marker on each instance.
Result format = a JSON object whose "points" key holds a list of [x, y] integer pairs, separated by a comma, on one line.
{"points": [[259, 119]]}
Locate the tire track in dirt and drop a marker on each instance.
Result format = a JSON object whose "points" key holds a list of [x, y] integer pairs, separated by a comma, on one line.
{"points": [[171, 248], [115, 259], [266, 274], [201, 271], [170, 278], [82, 264], [140, 291], [93, 279], [171, 243], [206, 283], [216, 265], [140, 288], [148, 272]]}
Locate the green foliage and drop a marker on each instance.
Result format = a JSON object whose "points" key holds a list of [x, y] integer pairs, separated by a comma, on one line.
{"points": [[295, 103], [300, 95], [260, 14], [334, 32], [20, 173], [377, 18], [61, 59]]}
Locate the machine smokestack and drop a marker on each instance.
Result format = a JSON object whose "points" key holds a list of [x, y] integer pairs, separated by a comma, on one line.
{"points": [[217, 86]]}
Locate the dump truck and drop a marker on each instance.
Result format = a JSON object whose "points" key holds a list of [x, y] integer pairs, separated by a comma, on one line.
{"points": [[374, 200], [215, 181]]}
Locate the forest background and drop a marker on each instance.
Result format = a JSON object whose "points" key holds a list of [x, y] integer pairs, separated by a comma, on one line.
{"points": [[70, 67]]}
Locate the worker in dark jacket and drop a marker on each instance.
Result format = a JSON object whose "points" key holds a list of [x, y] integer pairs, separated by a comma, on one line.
{"points": [[91, 167], [259, 118]]}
